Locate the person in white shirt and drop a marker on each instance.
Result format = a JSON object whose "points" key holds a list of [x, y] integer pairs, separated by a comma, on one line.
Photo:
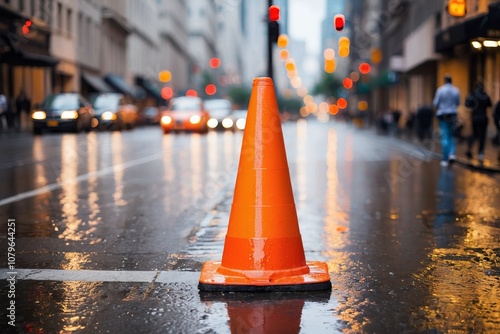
{"points": [[446, 101]]}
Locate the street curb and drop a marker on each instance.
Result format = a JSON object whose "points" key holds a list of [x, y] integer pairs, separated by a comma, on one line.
{"points": [[479, 167], [459, 161]]}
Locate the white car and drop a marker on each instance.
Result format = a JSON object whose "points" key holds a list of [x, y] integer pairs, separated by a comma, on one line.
{"points": [[220, 114], [240, 119]]}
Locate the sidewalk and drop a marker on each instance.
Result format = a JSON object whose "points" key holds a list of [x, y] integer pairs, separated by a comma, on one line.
{"points": [[491, 163], [491, 157]]}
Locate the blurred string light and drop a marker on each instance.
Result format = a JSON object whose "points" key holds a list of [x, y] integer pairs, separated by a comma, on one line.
{"points": [[376, 56], [282, 41], [354, 76], [165, 76], [362, 105], [342, 103], [329, 54], [364, 68], [214, 62], [191, 92], [347, 82], [329, 65], [210, 89], [167, 93], [344, 46], [333, 109], [284, 54]]}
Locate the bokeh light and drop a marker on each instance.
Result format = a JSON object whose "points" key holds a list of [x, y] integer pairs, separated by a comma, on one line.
{"points": [[364, 68], [167, 93], [282, 41], [210, 89], [214, 62], [342, 103], [329, 54], [191, 92], [284, 54], [347, 83], [362, 105], [329, 66], [354, 76], [343, 51], [165, 76], [334, 109]]}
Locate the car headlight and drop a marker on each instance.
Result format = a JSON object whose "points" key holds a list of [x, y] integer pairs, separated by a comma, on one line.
{"points": [[227, 123], [108, 116], [166, 120], [212, 123], [195, 119], [69, 114], [240, 124], [39, 115]]}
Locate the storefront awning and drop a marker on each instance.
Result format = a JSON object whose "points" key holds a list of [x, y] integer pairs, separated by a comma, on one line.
{"points": [[22, 58], [482, 26], [25, 53], [97, 83], [118, 83], [150, 88]]}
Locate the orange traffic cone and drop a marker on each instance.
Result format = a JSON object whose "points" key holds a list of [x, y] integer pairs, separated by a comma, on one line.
{"points": [[263, 247]]}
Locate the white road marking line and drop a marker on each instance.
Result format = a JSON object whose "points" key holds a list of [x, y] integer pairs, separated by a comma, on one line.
{"points": [[102, 276], [79, 178]]}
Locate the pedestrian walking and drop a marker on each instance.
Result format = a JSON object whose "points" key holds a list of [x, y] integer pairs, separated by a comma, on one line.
{"points": [[496, 118], [479, 102], [423, 118], [4, 121], [446, 101], [23, 105]]}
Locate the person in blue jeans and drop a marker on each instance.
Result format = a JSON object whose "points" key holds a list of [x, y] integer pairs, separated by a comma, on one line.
{"points": [[446, 101]]}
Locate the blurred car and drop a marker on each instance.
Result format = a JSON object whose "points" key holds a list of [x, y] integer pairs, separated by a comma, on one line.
{"points": [[63, 111], [151, 115], [240, 119], [185, 113], [220, 114], [113, 111]]}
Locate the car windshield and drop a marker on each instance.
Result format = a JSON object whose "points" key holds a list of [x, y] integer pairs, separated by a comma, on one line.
{"points": [[105, 101], [61, 102], [217, 105], [185, 105]]}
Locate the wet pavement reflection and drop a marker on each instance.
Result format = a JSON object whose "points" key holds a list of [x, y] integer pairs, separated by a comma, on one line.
{"points": [[411, 246]]}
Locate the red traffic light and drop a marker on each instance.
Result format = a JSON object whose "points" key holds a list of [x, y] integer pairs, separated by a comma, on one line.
{"points": [[26, 27], [339, 22], [274, 13]]}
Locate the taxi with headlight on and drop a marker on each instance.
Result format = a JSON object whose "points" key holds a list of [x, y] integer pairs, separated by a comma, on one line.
{"points": [[113, 111], [185, 113], [65, 112]]}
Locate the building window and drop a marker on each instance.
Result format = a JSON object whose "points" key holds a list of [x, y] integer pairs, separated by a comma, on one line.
{"points": [[69, 20], [80, 29], [42, 10], [59, 16], [21, 6]]}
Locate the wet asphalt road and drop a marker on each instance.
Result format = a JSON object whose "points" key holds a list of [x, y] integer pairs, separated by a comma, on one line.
{"points": [[112, 230]]}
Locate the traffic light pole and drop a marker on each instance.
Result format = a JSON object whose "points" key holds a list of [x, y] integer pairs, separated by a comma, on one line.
{"points": [[269, 46]]}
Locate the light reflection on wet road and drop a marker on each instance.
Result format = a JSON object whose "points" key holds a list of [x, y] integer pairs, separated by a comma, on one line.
{"points": [[411, 246]]}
